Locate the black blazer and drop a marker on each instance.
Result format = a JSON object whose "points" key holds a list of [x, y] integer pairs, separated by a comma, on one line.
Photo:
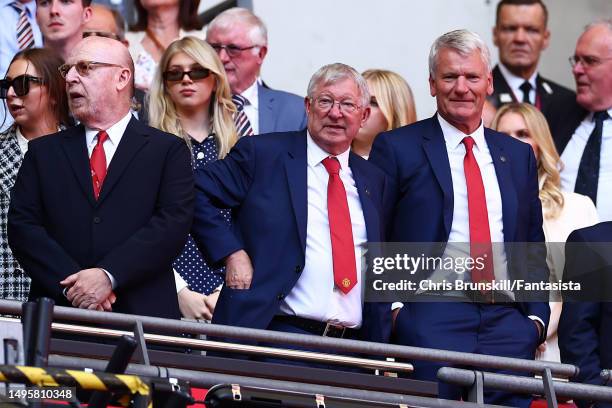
{"points": [[134, 230], [554, 98]]}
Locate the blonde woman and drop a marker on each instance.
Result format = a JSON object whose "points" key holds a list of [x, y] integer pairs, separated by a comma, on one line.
{"points": [[392, 106], [563, 211], [190, 97]]}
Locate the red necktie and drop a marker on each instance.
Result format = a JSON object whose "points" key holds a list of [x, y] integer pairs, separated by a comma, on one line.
{"points": [[98, 163], [340, 228], [480, 234]]}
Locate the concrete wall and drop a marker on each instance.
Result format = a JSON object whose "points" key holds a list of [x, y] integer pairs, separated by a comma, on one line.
{"points": [[396, 35]]}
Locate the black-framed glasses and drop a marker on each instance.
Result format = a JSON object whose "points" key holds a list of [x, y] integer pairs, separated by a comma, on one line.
{"points": [[83, 68], [105, 34], [20, 84], [326, 103], [178, 75], [587, 61], [231, 49]]}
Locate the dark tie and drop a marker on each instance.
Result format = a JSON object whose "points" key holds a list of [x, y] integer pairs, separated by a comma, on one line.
{"points": [[480, 234], [588, 171], [525, 88], [340, 229], [25, 35], [241, 120], [97, 163]]}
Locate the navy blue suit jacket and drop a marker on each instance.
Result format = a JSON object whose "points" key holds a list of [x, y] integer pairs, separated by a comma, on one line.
{"points": [[263, 180], [134, 230], [585, 328], [280, 111], [416, 160]]}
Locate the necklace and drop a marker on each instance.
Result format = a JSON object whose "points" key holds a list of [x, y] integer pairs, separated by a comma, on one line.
{"points": [[155, 40]]}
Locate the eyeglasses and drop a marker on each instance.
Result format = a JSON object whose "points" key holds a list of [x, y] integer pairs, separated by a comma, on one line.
{"points": [[587, 61], [83, 68], [195, 74], [326, 103], [231, 49], [20, 84], [105, 34]]}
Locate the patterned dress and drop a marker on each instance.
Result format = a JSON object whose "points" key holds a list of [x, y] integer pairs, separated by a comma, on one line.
{"points": [[190, 264], [14, 284]]}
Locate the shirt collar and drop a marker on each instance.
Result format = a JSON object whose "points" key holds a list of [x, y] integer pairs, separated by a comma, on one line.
{"points": [[21, 140], [315, 155], [30, 6], [454, 136], [591, 115], [252, 93], [514, 81], [115, 132]]}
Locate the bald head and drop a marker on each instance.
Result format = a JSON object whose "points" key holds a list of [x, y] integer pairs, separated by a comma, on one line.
{"points": [[100, 93]]}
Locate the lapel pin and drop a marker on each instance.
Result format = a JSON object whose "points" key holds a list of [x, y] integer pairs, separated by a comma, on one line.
{"points": [[503, 159], [505, 98], [547, 88], [367, 191]]}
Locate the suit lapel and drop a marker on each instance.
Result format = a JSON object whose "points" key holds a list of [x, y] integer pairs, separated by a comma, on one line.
{"points": [[75, 148], [266, 109], [133, 139], [296, 169], [435, 150], [503, 93], [10, 161], [362, 182], [501, 162]]}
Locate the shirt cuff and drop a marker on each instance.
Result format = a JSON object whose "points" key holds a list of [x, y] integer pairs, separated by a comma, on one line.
{"points": [[111, 278], [179, 281]]}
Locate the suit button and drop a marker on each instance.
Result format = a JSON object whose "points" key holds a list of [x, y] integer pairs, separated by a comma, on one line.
{"points": [[281, 296], [298, 268], [97, 220]]}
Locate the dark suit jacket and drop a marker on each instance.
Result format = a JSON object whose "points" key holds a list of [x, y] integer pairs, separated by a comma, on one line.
{"points": [[568, 121], [134, 230], [585, 327], [280, 111], [263, 181], [416, 160], [554, 98]]}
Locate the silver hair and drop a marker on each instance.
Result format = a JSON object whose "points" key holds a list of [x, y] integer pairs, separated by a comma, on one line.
{"points": [[606, 22], [462, 41], [332, 73], [258, 33]]}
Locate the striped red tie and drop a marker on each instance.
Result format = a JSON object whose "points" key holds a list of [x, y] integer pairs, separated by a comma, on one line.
{"points": [[25, 35]]}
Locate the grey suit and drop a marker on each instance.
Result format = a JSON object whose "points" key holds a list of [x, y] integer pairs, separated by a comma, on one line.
{"points": [[280, 111]]}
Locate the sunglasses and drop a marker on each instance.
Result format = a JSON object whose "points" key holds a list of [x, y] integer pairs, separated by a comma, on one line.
{"points": [[195, 74], [83, 68], [20, 84]]}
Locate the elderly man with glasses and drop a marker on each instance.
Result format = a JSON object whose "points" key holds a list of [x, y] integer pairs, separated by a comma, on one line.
{"points": [[241, 40], [99, 211], [584, 137], [305, 207]]}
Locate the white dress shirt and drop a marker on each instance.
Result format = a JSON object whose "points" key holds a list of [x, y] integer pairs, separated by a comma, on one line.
{"points": [[115, 133], [315, 296], [21, 141], [515, 82], [252, 107], [571, 160]]}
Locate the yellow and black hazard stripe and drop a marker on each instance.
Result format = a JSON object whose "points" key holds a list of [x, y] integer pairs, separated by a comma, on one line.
{"points": [[54, 377]]}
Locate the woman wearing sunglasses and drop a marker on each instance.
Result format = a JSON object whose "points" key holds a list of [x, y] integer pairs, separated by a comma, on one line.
{"points": [[36, 99], [190, 97]]}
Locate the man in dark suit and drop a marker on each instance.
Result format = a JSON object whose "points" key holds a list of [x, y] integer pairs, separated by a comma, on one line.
{"points": [[241, 40], [585, 326], [521, 34], [99, 211], [584, 137], [455, 181], [303, 208]]}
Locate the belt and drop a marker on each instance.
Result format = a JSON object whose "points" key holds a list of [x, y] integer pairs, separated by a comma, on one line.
{"points": [[318, 328]]}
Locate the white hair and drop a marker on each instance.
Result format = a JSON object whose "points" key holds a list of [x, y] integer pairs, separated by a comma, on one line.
{"points": [[464, 42]]}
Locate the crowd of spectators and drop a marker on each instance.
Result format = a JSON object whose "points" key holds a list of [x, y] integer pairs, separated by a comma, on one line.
{"points": [[283, 193]]}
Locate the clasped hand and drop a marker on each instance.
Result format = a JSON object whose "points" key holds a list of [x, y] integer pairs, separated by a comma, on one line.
{"points": [[90, 289]]}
